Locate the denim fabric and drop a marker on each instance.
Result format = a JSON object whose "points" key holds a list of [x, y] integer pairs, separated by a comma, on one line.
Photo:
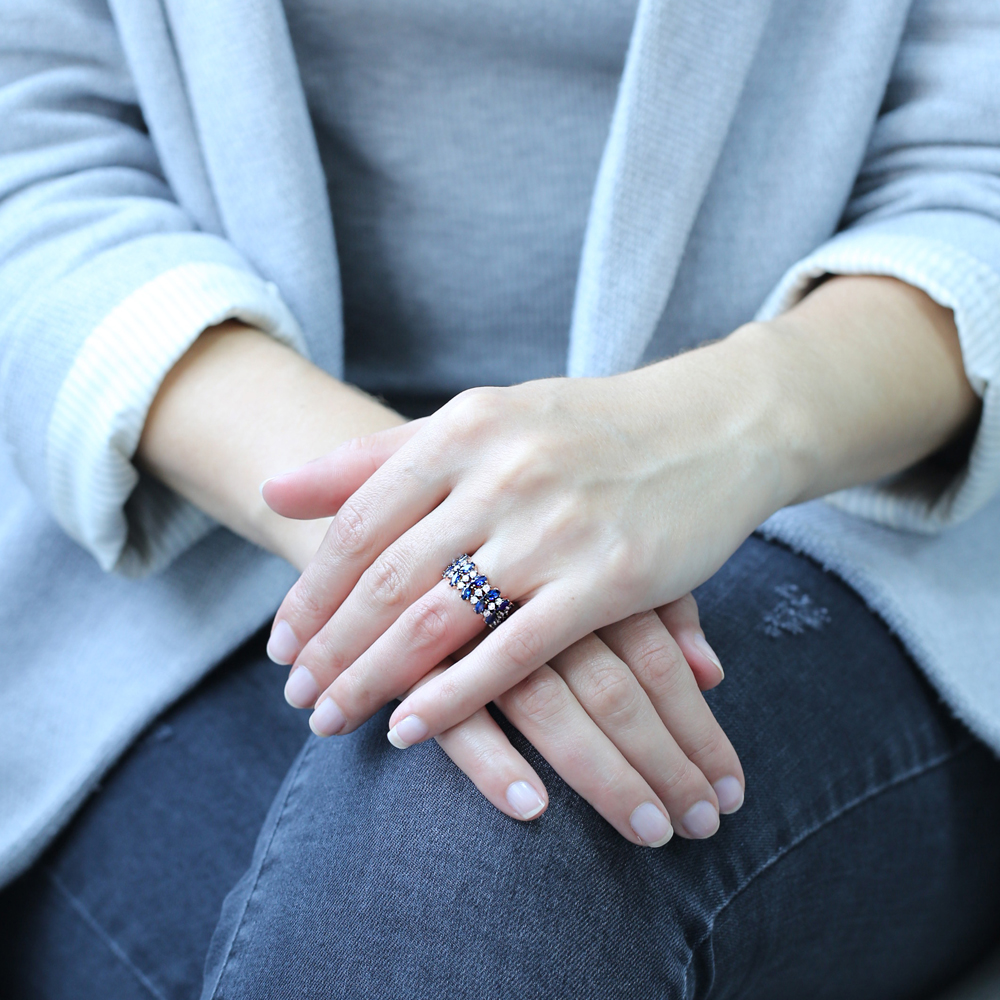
{"points": [[863, 864], [124, 904]]}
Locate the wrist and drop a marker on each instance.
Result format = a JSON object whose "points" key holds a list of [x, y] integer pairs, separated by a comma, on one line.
{"points": [[730, 401], [773, 382]]}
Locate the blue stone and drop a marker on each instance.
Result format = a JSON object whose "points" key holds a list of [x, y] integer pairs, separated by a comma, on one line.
{"points": [[493, 595], [480, 607], [480, 581], [504, 605], [489, 618], [467, 593]]}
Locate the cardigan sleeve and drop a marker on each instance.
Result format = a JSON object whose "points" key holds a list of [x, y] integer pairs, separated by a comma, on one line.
{"points": [[105, 281], [926, 209]]}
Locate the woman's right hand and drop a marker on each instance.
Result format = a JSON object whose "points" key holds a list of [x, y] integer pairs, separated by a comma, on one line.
{"points": [[621, 718]]}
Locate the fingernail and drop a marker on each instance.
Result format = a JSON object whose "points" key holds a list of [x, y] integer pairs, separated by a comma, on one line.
{"points": [[301, 689], [701, 820], [262, 485], [524, 800], [650, 825], [702, 643], [730, 793], [282, 647], [327, 720], [404, 734]]}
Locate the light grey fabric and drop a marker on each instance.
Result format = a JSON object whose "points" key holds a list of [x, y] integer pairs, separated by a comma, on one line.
{"points": [[743, 136], [460, 144]]}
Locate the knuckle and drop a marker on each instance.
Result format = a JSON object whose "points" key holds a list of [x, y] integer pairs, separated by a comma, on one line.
{"points": [[523, 646], [679, 781], [427, 625], [708, 747], [537, 699], [386, 582], [625, 564], [350, 527], [308, 604], [323, 658], [490, 758], [610, 692], [652, 660], [475, 409], [450, 691]]}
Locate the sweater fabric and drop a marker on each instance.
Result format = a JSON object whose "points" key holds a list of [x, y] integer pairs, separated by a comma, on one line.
{"points": [[160, 171]]}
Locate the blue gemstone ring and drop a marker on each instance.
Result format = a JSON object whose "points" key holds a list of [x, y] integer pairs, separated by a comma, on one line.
{"points": [[486, 600]]}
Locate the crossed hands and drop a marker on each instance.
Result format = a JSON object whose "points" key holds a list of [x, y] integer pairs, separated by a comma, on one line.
{"points": [[597, 505]]}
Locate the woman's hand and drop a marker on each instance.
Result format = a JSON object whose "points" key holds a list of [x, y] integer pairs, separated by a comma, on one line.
{"points": [[587, 501], [630, 732], [620, 717]]}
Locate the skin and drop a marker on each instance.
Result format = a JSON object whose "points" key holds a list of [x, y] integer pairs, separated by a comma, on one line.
{"points": [[593, 501], [239, 407]]}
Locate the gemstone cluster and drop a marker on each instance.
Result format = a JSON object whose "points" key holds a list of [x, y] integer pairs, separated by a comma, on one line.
{"points": [[473, 587]]}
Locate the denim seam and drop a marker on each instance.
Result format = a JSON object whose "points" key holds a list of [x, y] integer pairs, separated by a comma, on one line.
{"points": [[916, 772], [116, 949], [292, 786]]}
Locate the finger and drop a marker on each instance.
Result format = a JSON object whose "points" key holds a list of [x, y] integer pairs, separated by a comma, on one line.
{"points": [[430, 629], [481, 749], [614, 699], [393, 499], [318, 488], [680, 618], [543, 708], [544, 626], [658, 664], [405, 572]]}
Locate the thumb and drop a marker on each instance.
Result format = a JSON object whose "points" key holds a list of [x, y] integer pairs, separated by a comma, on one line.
{"points": [[318, 488]]}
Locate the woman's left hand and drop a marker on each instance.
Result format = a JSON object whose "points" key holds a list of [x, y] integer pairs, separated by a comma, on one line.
{"points": [[583, 500]]}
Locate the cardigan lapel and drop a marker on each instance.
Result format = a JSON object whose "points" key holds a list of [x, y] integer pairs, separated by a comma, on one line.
{"points": [[683, 75], [247, 120]]}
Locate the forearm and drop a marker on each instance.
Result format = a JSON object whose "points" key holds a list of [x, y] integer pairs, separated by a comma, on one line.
{"points": [[860, 380], [882, 381], [238, 408]]}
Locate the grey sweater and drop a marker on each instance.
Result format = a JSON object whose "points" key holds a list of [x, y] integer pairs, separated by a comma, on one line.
{"points": [[159, 171]]}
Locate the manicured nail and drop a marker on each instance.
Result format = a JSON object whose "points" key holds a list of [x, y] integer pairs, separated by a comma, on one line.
{"points": [[702, 643], [404, 734], [327, 720], [524, 800], [650, 825], [282, 647], [301, 689], [730, 793], [701, 820], [262, 485]]}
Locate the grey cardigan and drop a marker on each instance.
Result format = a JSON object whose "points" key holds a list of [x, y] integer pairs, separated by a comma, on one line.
{"points": [[158, 172]]}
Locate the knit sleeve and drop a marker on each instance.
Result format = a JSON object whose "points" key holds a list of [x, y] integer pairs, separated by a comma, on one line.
{"points": [[105, 281], [926, 210]]}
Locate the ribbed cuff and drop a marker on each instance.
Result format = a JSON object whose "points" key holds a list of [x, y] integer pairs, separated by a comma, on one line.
{"points": [[922, 499], [132, 523]]}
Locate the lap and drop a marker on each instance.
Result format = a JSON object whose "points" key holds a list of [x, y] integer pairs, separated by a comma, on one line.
{"points": [[863, 862]]}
